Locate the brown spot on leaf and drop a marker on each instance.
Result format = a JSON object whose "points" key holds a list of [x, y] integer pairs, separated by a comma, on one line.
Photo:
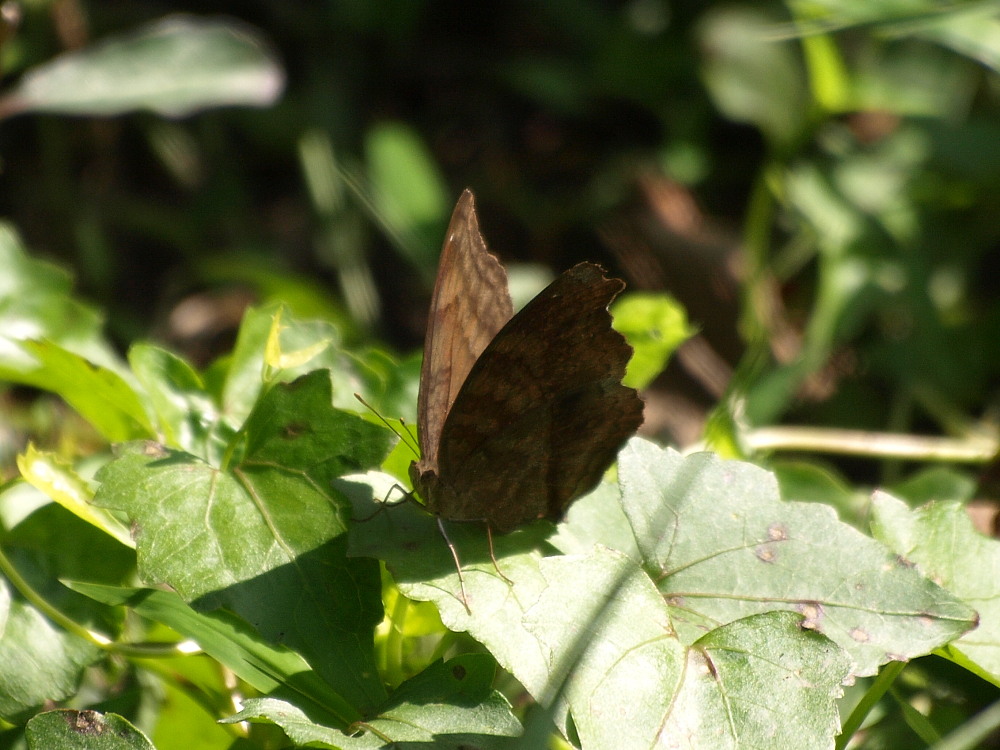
{"points": [[812, 613], [293, 430], [85, 722], [149, 448], [777, 532], [860, 635], [458, 672], [765, 553]]}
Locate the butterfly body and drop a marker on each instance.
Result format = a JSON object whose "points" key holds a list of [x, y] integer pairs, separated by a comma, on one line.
{"points": [[518, 414]]}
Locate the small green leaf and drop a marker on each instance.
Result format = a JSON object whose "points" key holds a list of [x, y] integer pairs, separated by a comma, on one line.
{"points": [[655, 325], [36, 303], [56, 479], [752, 77], [100, 395], [940, 539], [175, 66], [185, 413], [84, 730]]}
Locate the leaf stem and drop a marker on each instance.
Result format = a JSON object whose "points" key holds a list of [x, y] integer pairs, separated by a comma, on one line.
{"points": [[972, 449], [879, 687]]}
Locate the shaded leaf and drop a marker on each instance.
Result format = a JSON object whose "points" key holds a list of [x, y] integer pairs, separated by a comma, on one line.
{"points": [[271, 669], [41, 662], [451, 705], [264, 536]]}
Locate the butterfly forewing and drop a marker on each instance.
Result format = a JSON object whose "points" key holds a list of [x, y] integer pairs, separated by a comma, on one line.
{"points": [[470, 304]]}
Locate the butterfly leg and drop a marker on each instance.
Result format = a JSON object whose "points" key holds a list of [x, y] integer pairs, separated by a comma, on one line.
{"points": [[407, 496], [493, 557], [458, 564]]}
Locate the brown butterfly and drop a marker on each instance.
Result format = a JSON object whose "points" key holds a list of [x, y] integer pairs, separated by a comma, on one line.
{"points": [[518, 415]]}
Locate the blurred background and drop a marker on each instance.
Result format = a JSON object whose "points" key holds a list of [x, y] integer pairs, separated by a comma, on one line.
{"points": [[815, 182]]}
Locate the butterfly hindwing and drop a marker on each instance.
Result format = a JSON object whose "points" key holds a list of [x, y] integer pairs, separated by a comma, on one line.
{"points": [[542, 412]]}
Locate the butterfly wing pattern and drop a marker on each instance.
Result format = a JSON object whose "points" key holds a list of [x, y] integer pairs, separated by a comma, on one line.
{"points": [[539, 413], [469, 306]]}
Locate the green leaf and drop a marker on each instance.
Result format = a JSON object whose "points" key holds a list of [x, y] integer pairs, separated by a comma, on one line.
{"points": [[185, 414], [245, 369], [761, 681], [41, 662], [751, 77], [100, 395], [175, 66], [655, 325], [264, 537], [723, 546], [940, 539], [234, 644], [49, 474], [36, 303], [591, 631], [84, 730], [451, 705], [410, 194], [41, 542]]}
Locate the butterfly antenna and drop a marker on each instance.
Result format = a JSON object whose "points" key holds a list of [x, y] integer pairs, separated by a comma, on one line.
{"points": [[458, 563], [409, 430], [407, 439]]}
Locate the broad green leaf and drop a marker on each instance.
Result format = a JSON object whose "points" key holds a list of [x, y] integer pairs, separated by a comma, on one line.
{"points": [[655, 325], [175, 66], [723, 545], [271, 669], [451, 705], [84, 730], [41, 662], [588, 631], [940, 539], [57, 480], [264, 536]]}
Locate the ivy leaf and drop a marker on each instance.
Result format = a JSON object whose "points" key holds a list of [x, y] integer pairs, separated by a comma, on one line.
{"points": [[264, 535]]}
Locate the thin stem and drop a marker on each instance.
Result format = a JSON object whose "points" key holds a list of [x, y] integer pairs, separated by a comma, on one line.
{"points": [[973, 449], [879, 687]]}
